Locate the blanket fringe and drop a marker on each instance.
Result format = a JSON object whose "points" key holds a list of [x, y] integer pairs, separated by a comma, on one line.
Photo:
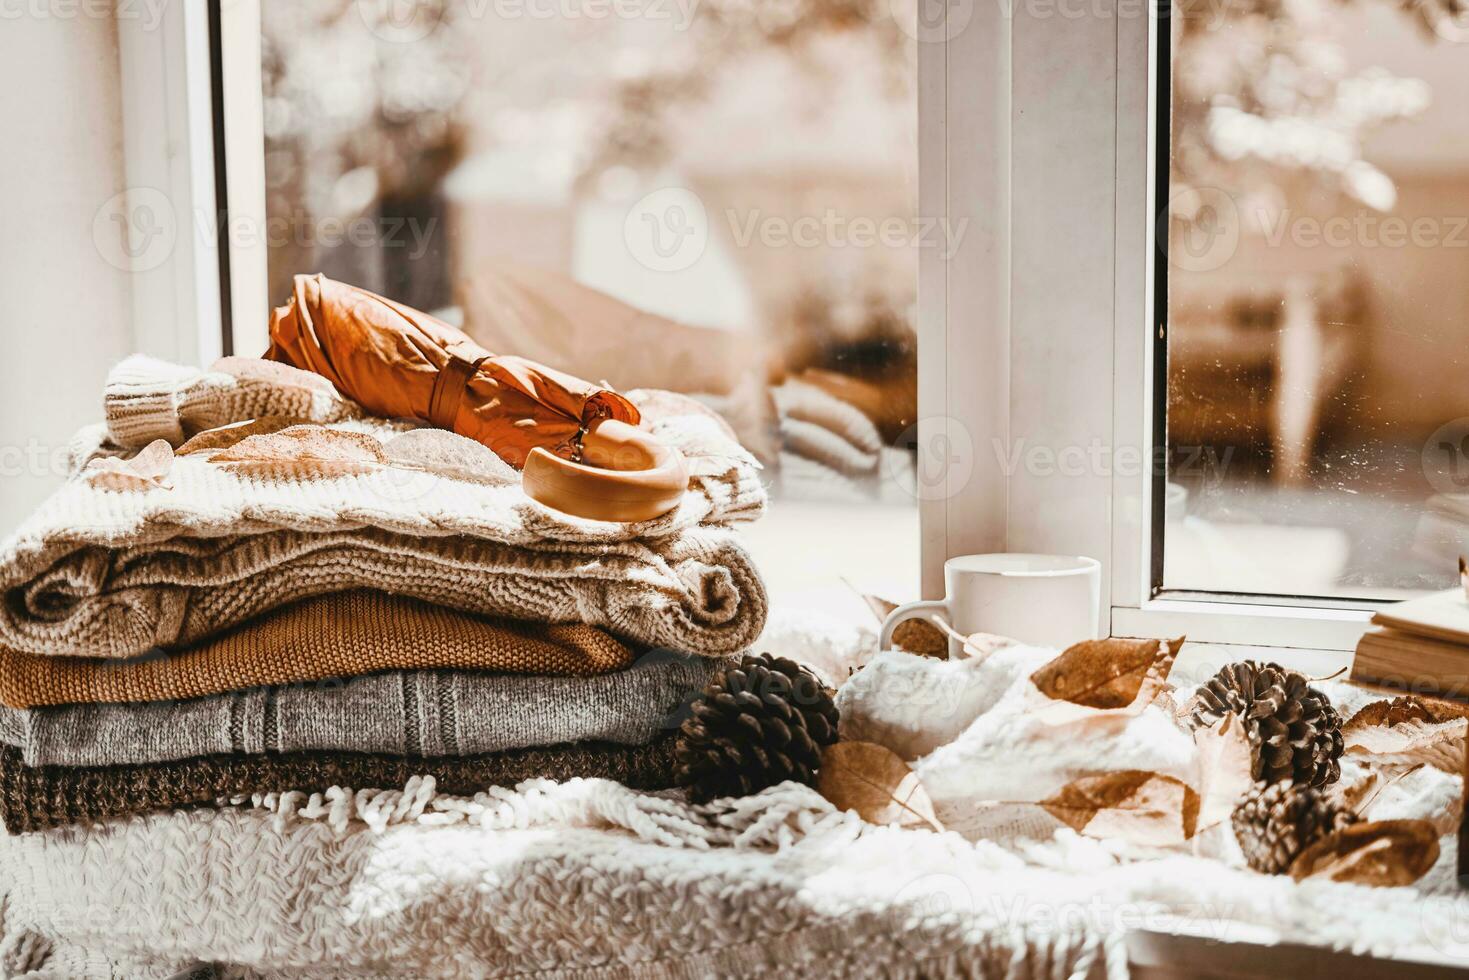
{"points": [[777, 817]]}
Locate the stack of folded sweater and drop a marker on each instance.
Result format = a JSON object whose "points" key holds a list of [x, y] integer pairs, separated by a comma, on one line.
{"points": [[251, 587]]}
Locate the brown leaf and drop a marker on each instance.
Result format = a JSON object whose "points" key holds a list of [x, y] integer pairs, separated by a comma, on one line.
{"points": [[1438, 744], [1135, 805], [1097, 677], [302, 451], [930, 638], [1387, 853], [1357, 796], [224, 436], [1402, 709], [881, 608], [145, 471], [872, 780], [921, 637], [1226, 766], [913, 635]]}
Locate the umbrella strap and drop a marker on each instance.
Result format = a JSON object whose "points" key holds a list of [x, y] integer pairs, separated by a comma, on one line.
{"points": [[451, 381]]}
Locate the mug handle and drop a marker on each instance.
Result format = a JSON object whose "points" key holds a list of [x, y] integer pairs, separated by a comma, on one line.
{"points": [[907, 611]]}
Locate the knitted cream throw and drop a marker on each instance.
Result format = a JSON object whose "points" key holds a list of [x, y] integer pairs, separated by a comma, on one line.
{"points": [[338, 635], [589, 879], [415, 712], [547, 880], [115, 563], [37, 797]]}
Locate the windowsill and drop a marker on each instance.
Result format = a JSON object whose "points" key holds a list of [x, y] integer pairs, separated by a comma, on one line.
{"points": [[1186, 949], [1183, 951], [1197, 662]]}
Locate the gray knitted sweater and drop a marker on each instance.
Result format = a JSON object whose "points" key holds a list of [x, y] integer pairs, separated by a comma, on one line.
{"points": [[414, 713]]}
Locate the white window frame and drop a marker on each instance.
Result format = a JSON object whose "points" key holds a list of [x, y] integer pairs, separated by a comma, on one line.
{"points": [[1036, 125], [167, 80], [1043, 115]]}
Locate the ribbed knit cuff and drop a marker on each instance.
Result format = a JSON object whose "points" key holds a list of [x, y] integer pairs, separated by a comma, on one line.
{"points": [[143, 398]]}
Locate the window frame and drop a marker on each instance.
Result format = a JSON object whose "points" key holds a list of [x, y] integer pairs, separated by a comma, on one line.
{"points": [[1038, 126], [1083, 123], [1140, 604]]}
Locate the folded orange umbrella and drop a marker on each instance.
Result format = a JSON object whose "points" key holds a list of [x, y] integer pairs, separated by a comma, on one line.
{"points": [[578, 444]]}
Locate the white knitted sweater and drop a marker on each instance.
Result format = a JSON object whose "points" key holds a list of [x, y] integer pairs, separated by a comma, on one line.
{"points": [[114, 565]]}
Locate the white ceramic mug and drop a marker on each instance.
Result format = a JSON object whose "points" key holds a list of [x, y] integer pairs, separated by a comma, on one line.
{"points": [[1045, 600]]}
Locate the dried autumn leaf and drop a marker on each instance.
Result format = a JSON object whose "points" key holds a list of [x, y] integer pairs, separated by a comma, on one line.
{"points": [[872, 780], [976, 645], [1357, 796], [920, 637], [1100, 677], [1387, 853], [913, 635], [303, 451], [145, 471], [1438, 744], [1226, 765], [1402, 709], [1136, 805], [224, 436]]}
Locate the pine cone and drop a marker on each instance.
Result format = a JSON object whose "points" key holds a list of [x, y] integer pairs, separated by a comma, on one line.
{"points": [[758, 724], [1295, 732], [1277, 821]]}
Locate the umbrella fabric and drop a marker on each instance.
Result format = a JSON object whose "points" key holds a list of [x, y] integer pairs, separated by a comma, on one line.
{"points": [[401, 363]]}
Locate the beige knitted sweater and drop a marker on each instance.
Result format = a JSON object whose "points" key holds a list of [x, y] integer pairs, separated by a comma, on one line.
{"points": [[168, 547]]}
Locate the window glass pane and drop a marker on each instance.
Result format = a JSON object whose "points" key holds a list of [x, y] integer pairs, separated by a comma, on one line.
{"points": [[712, 196], [1317, 224]]}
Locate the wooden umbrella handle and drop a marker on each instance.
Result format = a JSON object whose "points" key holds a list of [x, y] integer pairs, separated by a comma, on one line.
{"points": [[627, 475]]}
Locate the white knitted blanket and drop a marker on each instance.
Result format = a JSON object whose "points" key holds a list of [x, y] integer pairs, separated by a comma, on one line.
{"points": [[584, 876], [124, 559], [590, 879]]}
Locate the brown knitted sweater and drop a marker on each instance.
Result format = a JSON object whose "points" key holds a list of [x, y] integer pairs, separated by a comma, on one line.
{"points": [[37, 797], [340, 635]]}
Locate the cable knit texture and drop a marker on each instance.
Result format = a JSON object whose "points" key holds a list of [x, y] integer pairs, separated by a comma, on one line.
{"points": [[213, 540], [37, 797], [339, 635], [590, 879], [418, 713], [627, 885]]}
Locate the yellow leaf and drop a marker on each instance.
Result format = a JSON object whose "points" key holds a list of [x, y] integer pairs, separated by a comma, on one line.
{"points": [[872, 780]]}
